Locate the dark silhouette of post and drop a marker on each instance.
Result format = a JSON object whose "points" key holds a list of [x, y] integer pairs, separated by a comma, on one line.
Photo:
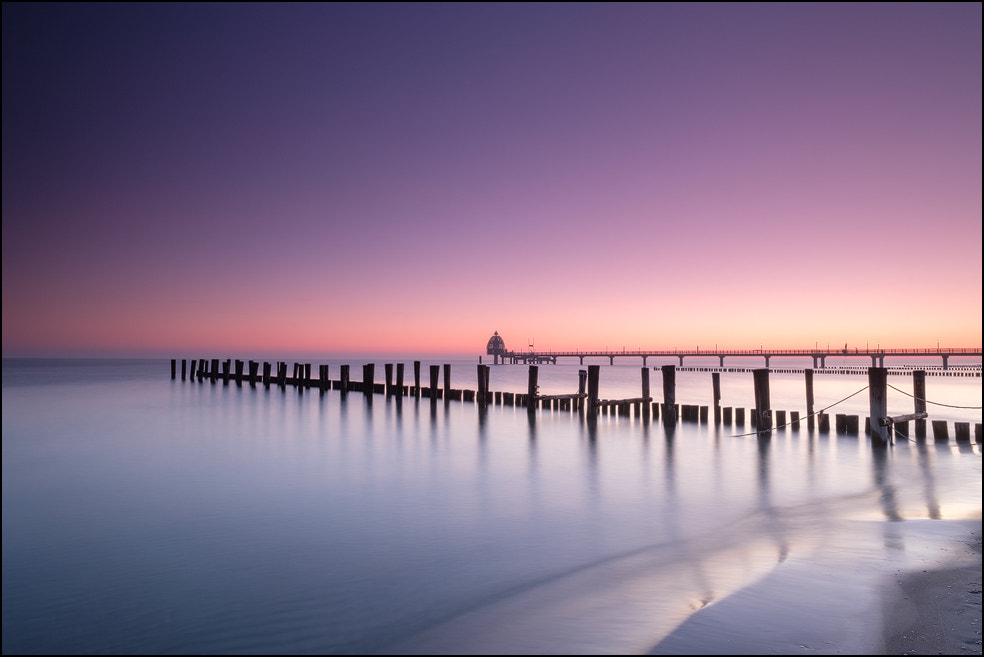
{"points": [[582, 381], [669, 394], [435, 375], [388, 367], [343, 376], [878, 404], [174, 368], [368, 378], [416, 378], [483, 385], [809, 399], [399, 379], [716, 387], [919, 398], [593, 373], [532, 388], [266, 375], [184, 368], [763, 411], [447, 381]]}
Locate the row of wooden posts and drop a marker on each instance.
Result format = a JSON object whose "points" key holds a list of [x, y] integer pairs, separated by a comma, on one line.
{"points": [[587, 398]]}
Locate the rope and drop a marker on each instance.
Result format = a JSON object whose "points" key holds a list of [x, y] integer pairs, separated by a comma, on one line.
{"points": [[755, 433], [976, 408]]}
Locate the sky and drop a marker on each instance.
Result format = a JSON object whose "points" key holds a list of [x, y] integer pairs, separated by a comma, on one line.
{"points": [[358, 178]]}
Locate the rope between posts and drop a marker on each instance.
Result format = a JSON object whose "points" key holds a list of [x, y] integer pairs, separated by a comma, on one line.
{"points": [[755, 433], [976, 408]]}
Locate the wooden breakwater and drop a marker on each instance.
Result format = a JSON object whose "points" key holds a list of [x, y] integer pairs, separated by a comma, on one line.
{"points": [[762, 419]]}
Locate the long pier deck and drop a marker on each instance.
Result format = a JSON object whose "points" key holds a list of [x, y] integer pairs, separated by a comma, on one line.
{"points": [[819, 356]]}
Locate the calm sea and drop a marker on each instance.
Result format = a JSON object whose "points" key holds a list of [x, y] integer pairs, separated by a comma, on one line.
{"points": [[148, 515]]}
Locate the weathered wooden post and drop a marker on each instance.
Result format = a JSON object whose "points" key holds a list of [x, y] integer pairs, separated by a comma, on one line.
{"points": [[532, 388], [388, 367], [266, 375], [416, 378], [239, 371], [307, 375], [644, 405], [716, 387], [447, 381], [215, 370], [343, 376], [878, 404], [368, 378], [763, 410], [941, 434], [809, 398], [482, 385], [919, 398], [593, 372], [226, 370], [184, 368], [582, 382], [399, 379], [174, 368], [435, 373], [669, 394], [961, 432]]}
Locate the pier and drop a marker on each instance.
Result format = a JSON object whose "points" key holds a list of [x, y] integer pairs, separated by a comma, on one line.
{"points": [[496, 349]]}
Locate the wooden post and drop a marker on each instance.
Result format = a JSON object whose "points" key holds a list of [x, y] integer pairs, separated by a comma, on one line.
{"points": [[184, 368], [343, 382], [716, 388], [669, 394], [253, 367], [794, 419], [482, 385], [266, 374], [226, 367], [961, 432], [582, 382], [307, 375], [239, 370], [919, 398], [399, 379], [447, 381], [809, 399], [532, 388], [763, 411], [878, 403], [593, 372], [368, 378], [940, 432], [388, 367], [739, 416], [416, 378], [215, 370], [435, 373], [174, 368]]}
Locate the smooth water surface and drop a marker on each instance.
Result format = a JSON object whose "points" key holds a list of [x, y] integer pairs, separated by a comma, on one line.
{"points": [[148, 515]]}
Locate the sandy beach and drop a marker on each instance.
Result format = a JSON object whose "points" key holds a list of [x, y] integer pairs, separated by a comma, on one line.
{"points": [[937, 612]]}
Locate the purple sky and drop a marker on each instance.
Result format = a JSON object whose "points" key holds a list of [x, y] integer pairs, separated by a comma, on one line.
{"points": [[338, 178]]}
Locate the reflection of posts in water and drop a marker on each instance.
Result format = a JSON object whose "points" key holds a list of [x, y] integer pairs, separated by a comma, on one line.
{"points": [[763, 404], [878, 403], [669, 394], [919, 398], [879, 452], [929, 483]]}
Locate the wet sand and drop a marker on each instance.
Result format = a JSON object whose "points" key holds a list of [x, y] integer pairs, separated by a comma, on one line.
{"points": [[937, 612]]}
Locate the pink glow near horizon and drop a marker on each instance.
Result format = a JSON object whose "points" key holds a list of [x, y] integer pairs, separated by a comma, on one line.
{"points": [[338, 179]]}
